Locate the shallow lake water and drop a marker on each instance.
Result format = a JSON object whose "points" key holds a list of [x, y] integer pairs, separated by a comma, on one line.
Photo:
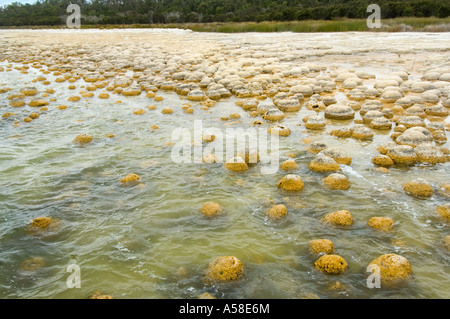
{"points": [[150, 240]]}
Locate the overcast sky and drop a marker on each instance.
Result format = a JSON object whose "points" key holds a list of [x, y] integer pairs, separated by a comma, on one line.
{"points": [[4, 2]]}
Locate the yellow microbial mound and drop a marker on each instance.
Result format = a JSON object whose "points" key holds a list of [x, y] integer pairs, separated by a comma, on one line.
{"points": [[74, 99], [444, 211], [381, 223], [83, 139], [17, 103], [38, 103], [418, 188], [382, 160], [209, 158], [337, 181], [236, 164], [323, 163], [8, 114], [167, 110], [278, 211], [291, 182], [131, 178], [225, 268], [321, 246], [339, 218], [211, 209], [289, 165], [139, 112], [206, 295], [100, 295], [394, 269], [331, 264], [42, 222], [103, 95]]}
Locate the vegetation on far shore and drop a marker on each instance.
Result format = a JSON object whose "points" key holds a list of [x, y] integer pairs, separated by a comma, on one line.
{"points": [[338, 25], [166, 12]]}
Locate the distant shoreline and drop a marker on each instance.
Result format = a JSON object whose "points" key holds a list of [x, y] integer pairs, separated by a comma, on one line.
{"points": [[342, 25]]}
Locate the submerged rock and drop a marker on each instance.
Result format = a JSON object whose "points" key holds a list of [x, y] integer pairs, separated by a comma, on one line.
{"points": [[33, 264]]}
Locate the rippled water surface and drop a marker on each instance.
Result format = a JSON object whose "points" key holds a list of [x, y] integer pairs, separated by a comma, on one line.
{"points": [[151, 241]]}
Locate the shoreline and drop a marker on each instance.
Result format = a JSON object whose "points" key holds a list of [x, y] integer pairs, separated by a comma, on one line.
{"points": [[303, 26]]}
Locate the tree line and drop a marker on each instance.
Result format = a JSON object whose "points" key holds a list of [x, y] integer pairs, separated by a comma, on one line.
{"points": [[53, 12]]}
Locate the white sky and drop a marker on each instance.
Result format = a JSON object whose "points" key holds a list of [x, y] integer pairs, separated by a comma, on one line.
{"points": [[5, 2]]}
